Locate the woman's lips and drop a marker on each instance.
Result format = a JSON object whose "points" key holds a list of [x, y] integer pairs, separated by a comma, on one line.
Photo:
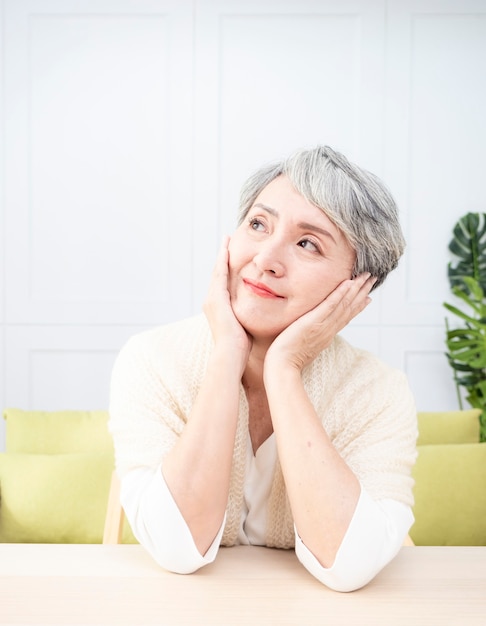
{"points": [[260, 289]]}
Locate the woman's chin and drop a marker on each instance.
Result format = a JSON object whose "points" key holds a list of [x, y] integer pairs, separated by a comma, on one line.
{"points": [[258, 328]]}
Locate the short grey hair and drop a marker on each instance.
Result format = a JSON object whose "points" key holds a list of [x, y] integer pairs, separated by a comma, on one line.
{"points": [[355, 200]]}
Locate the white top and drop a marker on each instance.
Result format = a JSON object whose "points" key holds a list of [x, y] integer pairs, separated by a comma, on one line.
{"points": [[373, 538]]}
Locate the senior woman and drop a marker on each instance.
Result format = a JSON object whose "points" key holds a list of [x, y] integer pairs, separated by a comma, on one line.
{"points": [[255, 423]]}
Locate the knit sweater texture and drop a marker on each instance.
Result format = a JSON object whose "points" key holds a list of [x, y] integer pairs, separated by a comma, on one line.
{"points": [[365, 406]]}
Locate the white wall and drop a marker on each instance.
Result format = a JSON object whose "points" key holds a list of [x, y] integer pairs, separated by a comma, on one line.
{"points": [[129, 126]]}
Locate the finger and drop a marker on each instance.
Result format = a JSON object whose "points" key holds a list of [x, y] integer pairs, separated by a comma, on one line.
{"points": [[348, 299], [356, 298], [221, 265], [363, 284], [347, 291], [366, 281], [225, 242]]}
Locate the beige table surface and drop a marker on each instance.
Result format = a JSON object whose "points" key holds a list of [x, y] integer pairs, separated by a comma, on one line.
{"points": [[96, 584]]}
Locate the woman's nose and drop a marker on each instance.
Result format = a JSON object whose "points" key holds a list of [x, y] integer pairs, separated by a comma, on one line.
{"points": [[270, 258]]}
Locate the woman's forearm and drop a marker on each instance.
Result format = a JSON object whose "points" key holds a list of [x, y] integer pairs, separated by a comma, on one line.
{"points": [[323, 491], [197, 469]]}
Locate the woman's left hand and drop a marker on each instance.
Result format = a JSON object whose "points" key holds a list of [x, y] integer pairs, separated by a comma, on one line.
{"points": [[314, 331], [323, 491]]}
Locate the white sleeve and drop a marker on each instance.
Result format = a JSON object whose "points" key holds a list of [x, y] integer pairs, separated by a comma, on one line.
{"points": [[374, 537], [158, 524]]}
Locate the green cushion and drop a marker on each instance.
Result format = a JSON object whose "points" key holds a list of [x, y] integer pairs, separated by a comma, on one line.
{"points": [[57, 432], [60, 498], [450, 495], [448, 427]]}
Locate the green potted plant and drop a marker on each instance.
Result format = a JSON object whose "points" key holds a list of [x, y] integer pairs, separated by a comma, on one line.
{"points": [[466, 342]]}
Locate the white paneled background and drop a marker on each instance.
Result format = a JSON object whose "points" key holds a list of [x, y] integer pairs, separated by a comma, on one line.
{"points": [[128, 127]]}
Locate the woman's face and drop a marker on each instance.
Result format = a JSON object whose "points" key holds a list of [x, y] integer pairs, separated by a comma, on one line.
{"points": [[285, 258]]}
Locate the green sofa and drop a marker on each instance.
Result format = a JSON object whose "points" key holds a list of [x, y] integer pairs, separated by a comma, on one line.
{"points": [[55, 477], [56, 471], [450, 480]]}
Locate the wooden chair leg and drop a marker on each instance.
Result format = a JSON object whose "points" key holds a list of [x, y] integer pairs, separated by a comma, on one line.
{"points": [[408, 541], [115, 515]]}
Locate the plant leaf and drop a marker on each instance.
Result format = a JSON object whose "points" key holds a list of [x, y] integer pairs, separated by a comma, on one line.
{"points": [[469, 246], [467, 345]]}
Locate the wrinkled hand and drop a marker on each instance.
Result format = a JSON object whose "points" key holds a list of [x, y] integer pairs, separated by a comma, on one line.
{"points": [[227, 332], [301, 342]]}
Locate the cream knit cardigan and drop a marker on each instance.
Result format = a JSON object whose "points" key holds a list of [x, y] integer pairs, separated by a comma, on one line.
{"points": [[365, 406]]}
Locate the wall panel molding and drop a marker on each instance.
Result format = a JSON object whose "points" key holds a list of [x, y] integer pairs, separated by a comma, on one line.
{"points": [[98, 142], [435, 142], [3, 362], [2, 234], [419, 351], [53, 368]]}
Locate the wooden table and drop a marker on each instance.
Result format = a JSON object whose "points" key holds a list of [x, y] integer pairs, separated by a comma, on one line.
{"points": [[101, 584]]}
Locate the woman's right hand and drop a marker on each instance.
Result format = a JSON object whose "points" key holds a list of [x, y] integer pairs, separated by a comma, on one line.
{"points": [[228, 333], [197, 469]]}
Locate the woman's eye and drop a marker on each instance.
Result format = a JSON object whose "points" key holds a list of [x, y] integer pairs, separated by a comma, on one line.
{"points": [[307, 244], [255, 223]]}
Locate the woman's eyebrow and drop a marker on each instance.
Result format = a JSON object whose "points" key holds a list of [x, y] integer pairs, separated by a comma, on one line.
{"points": [[266, 208], [302, 225], [316, 229]]}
